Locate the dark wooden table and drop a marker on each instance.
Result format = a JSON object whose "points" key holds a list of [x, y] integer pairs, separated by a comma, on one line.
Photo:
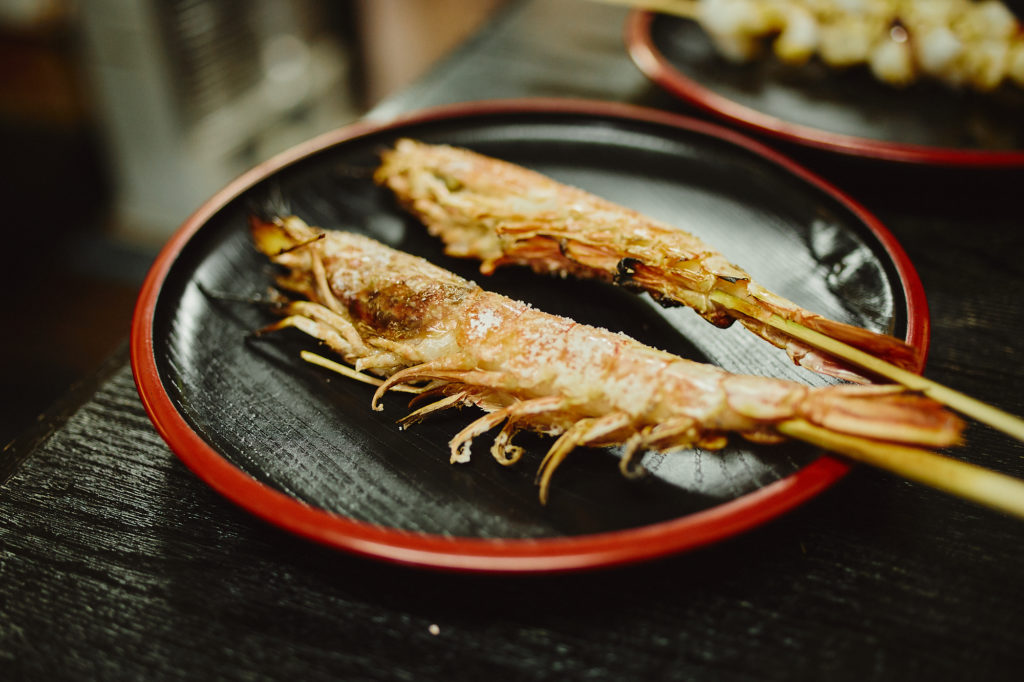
{"points": [[116, 562]]}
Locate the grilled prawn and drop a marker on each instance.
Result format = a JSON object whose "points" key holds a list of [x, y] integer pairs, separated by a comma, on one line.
{"points": [[415, 325], [504, 214]]}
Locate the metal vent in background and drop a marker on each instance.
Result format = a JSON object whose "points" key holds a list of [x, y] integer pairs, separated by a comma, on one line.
{"points": [[191, 93], [212, 49]]}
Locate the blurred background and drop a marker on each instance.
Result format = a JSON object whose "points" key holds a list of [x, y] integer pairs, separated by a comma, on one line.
{"points": [[118, 118]]}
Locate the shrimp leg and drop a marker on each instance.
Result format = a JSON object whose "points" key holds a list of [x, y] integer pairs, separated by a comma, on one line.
{"points": [[454, 400], [582, 433]]}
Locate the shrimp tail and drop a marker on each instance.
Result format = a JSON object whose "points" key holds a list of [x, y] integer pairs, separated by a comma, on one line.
{"points": [[884, 413]]}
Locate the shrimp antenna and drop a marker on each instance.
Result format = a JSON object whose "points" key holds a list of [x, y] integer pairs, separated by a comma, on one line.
{"points": [[303, 244], [271, 205], [253, 299]]}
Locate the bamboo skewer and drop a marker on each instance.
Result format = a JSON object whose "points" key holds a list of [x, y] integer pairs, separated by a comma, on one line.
{"points": [[982, 412], [968, 481]]}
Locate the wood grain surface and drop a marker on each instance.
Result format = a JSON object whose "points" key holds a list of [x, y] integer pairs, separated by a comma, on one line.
{"points": [[118, 563]]}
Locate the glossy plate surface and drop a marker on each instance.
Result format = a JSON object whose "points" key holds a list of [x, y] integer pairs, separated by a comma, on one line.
{"points": [[301, 448], [848, 112]]}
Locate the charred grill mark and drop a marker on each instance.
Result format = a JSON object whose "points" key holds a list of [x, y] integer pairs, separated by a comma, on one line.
{"points": [[399, 311]]}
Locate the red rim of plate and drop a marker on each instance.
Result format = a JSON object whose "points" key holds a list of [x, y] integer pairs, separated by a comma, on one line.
{"points": [[653, 64], [483, 554]]}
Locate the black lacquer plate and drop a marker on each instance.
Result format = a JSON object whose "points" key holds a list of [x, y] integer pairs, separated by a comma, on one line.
{"points": [[301, 447], [846, 111]]}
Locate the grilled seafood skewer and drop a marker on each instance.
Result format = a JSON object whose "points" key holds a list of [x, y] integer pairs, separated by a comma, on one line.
{"points": [[502, 213], [400, 318], [960, 43]]}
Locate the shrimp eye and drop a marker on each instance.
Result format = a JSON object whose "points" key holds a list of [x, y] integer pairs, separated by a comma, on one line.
{"points": [[627, 267]]}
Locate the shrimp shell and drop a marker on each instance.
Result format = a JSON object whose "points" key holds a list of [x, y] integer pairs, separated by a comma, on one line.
{"points": [[411, 323], [504, 214]]}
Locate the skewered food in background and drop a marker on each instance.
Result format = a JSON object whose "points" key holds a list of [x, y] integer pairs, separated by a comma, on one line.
{"points": [[963, 43]]}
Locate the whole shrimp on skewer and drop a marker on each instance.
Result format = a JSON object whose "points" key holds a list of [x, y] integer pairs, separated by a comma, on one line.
{"points": [[396, 316], [502, 213], [505, 214]]}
